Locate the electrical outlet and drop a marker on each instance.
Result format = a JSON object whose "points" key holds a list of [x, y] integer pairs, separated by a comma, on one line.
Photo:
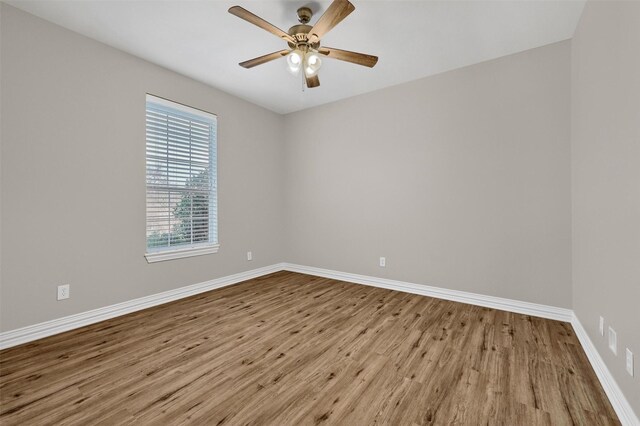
{"points": [[63, 291], [613, 341], [629, 362], [383, 262], [249, 255], [601, 326]]}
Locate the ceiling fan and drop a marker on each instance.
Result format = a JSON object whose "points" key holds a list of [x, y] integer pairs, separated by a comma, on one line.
{"points": [[304, 41]]}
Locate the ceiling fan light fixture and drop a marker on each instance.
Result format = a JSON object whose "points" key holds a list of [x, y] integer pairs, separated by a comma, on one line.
{"points": [[294, 61], [312, 64]]}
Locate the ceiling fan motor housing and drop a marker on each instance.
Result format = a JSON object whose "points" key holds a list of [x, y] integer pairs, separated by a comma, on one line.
{"points": [[300, 34]]}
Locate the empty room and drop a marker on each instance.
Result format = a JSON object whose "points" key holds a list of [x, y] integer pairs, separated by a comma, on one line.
{"points": [[336, 212]]}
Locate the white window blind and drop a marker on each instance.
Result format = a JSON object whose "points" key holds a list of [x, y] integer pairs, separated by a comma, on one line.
{"points": [[181, 180]]}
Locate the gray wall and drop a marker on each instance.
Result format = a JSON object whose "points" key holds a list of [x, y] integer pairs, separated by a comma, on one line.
{"points": [[461, 180], [606, 181], [73, 175]]}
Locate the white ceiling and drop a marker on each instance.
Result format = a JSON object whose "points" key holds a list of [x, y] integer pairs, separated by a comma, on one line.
{"points": [[413, 39]]}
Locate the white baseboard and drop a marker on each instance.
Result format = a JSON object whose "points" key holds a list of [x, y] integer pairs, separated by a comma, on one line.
{"points": [[620, 404], [533, 309], [49, 328]]}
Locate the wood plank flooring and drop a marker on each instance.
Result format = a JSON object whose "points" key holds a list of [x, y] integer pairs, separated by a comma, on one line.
{"points": [[292, 349]]}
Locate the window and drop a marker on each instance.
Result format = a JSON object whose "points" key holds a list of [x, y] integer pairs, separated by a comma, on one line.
{"points": [[182, 206]]}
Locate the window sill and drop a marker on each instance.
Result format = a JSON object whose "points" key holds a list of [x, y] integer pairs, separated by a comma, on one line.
{"points": [[160, 256]]}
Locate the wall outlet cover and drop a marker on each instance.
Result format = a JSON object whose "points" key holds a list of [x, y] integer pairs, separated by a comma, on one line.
{"points": [[629, 362], [601, 326], [383, 262], [613, 341], [63, 291], [249, 255]]}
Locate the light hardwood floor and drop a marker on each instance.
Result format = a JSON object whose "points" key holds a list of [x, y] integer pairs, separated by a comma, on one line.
{"points": [[292, 349]]}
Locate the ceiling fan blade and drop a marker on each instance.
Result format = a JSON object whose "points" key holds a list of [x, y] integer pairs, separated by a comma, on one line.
{"points": [[312, 81], [335, 13], [258, 21], [263, 59], [353, 57]]}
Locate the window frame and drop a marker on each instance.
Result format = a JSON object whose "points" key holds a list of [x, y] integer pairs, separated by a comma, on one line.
{"points": [[164, 253]]}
